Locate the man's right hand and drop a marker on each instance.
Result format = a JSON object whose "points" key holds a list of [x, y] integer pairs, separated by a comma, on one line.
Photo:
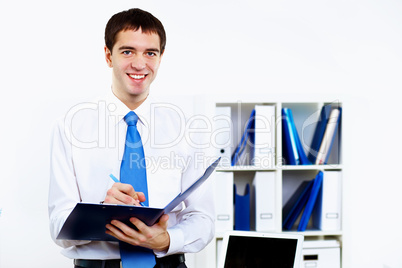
{"points": [[122, 193]]}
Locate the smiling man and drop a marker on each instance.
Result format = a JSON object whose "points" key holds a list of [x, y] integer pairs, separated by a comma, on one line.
{"points": [[135, 58], [138, 132]]}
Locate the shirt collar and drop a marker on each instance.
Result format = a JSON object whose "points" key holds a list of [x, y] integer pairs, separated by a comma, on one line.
{"points": [[118, 109]]}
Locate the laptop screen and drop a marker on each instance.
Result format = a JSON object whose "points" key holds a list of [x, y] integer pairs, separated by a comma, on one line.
{"points": [[261, 251]]}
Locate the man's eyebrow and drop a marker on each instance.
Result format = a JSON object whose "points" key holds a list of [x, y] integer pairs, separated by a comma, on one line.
{"points": [[152, 50], [133, 48], [126, 48]]}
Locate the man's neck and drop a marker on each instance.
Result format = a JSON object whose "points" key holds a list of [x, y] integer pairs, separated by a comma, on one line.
{"points": [[132, 102]]}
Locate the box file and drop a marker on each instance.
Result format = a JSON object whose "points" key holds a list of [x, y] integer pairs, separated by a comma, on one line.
{"points": [[263, 153], [263, 199], [327, 214], [223, 201], [321, 254], [222, 135], [242, 209]]}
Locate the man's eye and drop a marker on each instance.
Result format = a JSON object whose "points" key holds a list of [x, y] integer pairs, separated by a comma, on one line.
{"points": [[127, 52], [151, 54]]}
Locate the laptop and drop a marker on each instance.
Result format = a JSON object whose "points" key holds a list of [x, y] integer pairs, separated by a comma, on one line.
{"points": [[255, 249]]}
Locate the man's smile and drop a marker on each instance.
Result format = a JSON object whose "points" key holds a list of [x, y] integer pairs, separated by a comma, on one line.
{"points": [[137, 76]]}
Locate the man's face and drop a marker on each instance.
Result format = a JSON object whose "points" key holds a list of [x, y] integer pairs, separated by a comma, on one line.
{"points": [[135, 59]]}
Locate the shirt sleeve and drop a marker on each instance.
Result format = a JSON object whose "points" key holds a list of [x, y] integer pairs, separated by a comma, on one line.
{"points": [[63, 190], [194, 227]]}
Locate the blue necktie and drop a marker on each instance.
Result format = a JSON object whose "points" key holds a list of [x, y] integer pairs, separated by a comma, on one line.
{"points": [[133, 171]]}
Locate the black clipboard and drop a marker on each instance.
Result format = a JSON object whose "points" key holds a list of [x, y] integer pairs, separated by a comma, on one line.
{"points": [[88, 221]]}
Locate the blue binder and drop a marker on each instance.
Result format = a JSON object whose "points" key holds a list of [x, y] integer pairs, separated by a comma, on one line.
{"points": [[289, 142], [296, 203], [319, 133], [88, 221], [294, 152], [242, 209], [247, 134], [311, 201]]}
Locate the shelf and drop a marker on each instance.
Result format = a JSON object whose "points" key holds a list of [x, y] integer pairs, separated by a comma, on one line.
{"points": [[298, 167], [308, 233], [311, 167], [279, 182], [316, 233], [244, 168]]}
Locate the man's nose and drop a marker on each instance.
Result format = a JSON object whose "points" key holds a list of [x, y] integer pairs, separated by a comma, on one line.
{"points": [[138, 62]]}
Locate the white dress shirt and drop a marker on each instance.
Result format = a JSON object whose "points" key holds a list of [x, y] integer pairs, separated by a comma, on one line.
{"points": [[87, 146]]}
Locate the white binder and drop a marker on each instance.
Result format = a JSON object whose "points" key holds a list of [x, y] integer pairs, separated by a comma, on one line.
{"points": [[264, 145], [264, 198], [223, 201], [328, 138], [328, 214], [222, 135]]}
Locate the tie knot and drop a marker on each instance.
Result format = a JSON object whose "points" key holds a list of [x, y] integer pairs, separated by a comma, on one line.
{"points": [[131, 119]]}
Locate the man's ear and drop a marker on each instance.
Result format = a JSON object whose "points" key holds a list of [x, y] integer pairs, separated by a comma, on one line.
{"points": [[160, 58], [108, 57]]}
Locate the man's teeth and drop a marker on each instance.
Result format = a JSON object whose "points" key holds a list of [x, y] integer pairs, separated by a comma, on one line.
{"points": [[135, 76]]}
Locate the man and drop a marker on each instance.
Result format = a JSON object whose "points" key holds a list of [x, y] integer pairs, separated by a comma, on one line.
{"points": [[88, 146]]}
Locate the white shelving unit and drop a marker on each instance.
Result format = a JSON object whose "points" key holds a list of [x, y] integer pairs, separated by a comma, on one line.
{"points": [[287, 177]]}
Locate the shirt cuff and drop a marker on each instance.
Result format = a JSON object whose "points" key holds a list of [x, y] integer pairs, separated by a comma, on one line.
{"points": [[176, 243]]}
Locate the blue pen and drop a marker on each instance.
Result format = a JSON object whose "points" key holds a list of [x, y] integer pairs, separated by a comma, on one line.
{"points": [[116, 180]]}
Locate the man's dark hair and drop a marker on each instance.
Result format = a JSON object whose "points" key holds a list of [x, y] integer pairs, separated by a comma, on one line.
{"points": [[134, 19]]}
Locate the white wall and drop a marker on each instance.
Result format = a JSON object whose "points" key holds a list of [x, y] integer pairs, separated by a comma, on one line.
{"points": [[52, 57]]}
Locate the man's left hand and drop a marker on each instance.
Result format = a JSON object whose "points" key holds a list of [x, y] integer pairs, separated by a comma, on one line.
{"points": [[153, 237]]}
